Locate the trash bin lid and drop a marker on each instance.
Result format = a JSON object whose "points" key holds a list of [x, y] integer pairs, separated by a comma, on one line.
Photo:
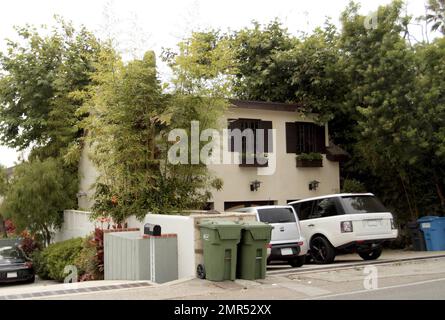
{"points": [[259, 230], [226, 229], [427, 219]]}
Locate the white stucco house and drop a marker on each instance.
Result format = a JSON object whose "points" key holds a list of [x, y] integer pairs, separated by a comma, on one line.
{"points": [[280, 180]]}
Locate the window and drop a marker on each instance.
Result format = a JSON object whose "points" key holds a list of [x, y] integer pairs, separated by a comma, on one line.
{"points": [[233, 205], [324, 208], [276, 215], [304, 209], [362, 204], [254, 125], [305, 137]]}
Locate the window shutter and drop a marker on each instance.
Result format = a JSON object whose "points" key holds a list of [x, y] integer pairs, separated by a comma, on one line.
{"points": [[233, 124], [291, 137], [321, 137], [266, 126]]}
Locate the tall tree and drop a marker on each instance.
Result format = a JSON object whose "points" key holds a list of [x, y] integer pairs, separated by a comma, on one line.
{"points": [[42, 78], [436, 15], [37, 196], [3, 189]]}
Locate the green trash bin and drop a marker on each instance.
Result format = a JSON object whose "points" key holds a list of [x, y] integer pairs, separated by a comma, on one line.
{"points": [[252, 250], [220, 239]]}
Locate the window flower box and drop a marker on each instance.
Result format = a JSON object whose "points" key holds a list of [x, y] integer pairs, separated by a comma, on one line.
{"points": [[311, 160]]}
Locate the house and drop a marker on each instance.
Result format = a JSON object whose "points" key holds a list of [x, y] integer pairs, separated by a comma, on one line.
{"points": [[278, 177]]}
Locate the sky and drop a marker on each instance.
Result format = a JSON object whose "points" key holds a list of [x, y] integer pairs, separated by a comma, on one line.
{"points": [[139, 25]]}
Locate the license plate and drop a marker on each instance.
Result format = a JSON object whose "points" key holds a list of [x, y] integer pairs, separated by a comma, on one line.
{"points": [[426, 225], [11, 275], [373, 223], [287, 252]]}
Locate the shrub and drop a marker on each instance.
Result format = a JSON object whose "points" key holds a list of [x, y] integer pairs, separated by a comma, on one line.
{"points": [[353, 186], [51, 262], [310, 156], [29, 244], [90, 262]]}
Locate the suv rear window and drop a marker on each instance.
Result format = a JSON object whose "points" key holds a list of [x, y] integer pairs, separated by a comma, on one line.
{"points": [[362, 204], [276, 215]]}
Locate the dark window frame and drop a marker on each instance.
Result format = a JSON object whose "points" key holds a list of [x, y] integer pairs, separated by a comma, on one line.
{"points": [[305, 137]]}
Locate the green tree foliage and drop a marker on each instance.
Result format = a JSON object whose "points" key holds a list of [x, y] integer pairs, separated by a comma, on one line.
{"points": [[129, 122], [436, 15], [42, 81], [37, 196], [3, 189]]}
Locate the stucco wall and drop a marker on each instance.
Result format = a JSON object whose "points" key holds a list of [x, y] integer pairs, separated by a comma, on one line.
{"points": [[287, 182]]}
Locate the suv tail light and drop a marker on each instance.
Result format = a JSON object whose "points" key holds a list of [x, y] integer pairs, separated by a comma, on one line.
{"points": [[300, 243], [268, 246], [346, 226]]}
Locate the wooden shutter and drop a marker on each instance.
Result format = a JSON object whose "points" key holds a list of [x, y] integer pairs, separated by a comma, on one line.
{"points": [[266, 126], [291, 137], [321, 137], [233, 124]]}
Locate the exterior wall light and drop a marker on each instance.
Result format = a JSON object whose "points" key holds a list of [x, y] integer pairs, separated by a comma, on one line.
{"points": [[313, 185], [255, 185]]}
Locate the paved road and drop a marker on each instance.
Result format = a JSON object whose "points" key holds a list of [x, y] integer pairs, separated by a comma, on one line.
{"points": [[424, 290]]}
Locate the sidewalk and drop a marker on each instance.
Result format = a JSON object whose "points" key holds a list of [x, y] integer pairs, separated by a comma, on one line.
{"points": [[282, 281]]}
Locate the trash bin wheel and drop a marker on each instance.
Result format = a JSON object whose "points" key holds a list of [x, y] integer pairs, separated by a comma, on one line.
{"points": [[201, 271]]}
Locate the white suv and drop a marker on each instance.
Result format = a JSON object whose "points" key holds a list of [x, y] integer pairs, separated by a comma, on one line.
{"points": [[287, 243], [345, 223]]}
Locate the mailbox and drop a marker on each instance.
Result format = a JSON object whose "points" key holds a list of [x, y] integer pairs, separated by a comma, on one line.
{"points": [[152, 229]]}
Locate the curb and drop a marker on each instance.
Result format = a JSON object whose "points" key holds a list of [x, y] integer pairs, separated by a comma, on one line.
{"points": [[351, 266]]}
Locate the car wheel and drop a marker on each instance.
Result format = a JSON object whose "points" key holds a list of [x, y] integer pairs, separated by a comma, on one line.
{"points": [[322, 251], [297, 262], [371, 255], [31, 280], [201, 272]]}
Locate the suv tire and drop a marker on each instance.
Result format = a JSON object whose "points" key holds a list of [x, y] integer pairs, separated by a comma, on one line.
{"points": [[298, 261], [321, 251], [371, 255]]}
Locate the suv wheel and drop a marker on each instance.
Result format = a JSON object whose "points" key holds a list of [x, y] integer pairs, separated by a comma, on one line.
{"points": [[297, 262], [322, 251], [371, 255]]}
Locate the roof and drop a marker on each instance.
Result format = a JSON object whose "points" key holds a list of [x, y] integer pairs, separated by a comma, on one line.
{"points": [[335, 153], [333, 196], [265, 105]]}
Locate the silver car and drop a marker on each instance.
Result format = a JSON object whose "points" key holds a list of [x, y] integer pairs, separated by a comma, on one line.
{"points": [[287, 243]]}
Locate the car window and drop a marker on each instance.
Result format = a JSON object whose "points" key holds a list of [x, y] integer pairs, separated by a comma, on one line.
{"points": [[303, 209], [10, 253], [276, 215], [324, 208], [362, 204]]}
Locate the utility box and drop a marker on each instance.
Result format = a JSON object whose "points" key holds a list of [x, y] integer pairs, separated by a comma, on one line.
{"points": [[220, 239], [252, 250], [129, 256]]}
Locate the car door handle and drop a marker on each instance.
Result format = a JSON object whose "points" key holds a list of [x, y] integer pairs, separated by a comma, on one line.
{"points": [[282, 229], [311, 225]]}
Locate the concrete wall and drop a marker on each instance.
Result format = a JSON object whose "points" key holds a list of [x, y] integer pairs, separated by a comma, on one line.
{"points": [[76, 224], [186, 227], [88, 175], [287, 182]]}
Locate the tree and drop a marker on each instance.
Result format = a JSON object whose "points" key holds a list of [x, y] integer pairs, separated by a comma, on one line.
{"points": [[3, 189], [436, 15], [37, 196], [42, 84], [129, 122]]}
